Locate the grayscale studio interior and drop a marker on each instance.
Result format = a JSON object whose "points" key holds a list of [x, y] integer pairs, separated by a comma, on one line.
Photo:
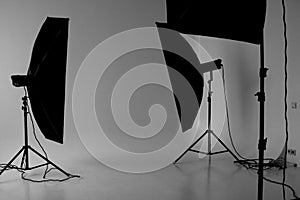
{"points": [[88, 168]]}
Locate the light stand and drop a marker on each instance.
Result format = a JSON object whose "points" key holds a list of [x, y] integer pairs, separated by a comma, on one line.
{"points": [[209, 132], [262, 140], [25, 149]]}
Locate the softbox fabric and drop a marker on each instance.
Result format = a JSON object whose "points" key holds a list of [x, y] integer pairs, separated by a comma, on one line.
{"points": [[185, 73], [47, 71], [230, 19]]}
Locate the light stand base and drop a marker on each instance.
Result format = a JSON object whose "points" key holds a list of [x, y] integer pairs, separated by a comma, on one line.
{"points": [[25, 149], [209, 133]]}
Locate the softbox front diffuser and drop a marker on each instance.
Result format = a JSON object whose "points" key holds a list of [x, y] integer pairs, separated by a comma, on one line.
{"points": [[47, 71], [231, 19]]}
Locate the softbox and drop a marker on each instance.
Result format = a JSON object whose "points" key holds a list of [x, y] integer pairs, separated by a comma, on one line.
{"points": [[180, 57], [186, 74], [47, 71], [231, 19]]}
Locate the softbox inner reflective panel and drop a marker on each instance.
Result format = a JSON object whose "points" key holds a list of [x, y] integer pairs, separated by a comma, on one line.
{"points": [[47, 72], [231, 19]]}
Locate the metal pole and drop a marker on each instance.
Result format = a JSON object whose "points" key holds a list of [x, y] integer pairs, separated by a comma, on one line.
{"points": [[209, 112], [24, 108], [262, 141]]}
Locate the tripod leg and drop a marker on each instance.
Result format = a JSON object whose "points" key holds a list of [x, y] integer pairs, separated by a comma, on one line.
{"points": [[190, 147], [224, 145], [209, 143], [48, 161], [12, 160], [23, 159]]}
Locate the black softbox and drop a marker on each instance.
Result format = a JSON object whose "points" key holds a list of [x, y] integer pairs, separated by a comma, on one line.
{"points": [[229, 19], [187, 87], [47, 72]]}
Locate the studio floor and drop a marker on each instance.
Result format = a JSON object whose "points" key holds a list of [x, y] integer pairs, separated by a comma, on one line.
{"points": [[195, 179]]}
